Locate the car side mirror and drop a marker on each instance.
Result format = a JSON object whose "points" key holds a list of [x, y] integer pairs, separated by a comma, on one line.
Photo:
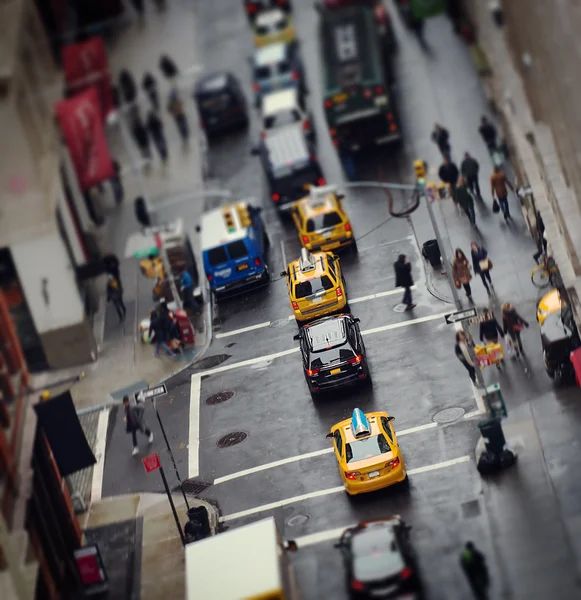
{"points": [[329, 435], [357, 320], [297, 336], [291, 546], [340, 196], [284, 274], [391, 418], [337, 545]]}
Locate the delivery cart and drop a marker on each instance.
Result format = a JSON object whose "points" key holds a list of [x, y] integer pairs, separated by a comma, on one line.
{"points": [[489, 354]]}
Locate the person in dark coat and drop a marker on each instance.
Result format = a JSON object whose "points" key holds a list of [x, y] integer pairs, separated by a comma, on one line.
{"points": [[141, 137], [461, 272], [157, 329], [513, 324], [463, 354], [115, 295], [541, 238], [168, 66], [117, 184], [127, 87], [469, 169], [135, 422], [111, 264], [465, 200], [449, 174], [168, 319], [403, 278], [490, 328], [175, 106], [442, 138], [149, 85], [474, 566], [155, 129], [482, 268], [488, 132]]}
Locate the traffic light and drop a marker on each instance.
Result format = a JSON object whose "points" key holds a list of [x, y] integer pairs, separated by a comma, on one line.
{"points": [[420, 168]]}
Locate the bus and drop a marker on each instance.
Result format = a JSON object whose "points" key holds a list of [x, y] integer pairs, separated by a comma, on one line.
{"points": [[356, 59], [247, 563]]}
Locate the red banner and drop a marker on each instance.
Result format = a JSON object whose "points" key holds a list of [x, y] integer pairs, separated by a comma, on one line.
{"points": [[82, 126], [85, 65]]}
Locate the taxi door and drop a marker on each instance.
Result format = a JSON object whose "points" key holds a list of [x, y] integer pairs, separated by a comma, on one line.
{"points": [[336, 435]]}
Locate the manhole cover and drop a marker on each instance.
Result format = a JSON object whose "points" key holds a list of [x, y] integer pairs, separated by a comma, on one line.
{"points": [[279, 323], [448, 415], [298, 520], [212, 361], [193, 486], [220, 397], [231, 439]]}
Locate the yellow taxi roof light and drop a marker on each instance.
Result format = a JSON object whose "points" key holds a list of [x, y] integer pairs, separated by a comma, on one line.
{"points": [[307, 261]]}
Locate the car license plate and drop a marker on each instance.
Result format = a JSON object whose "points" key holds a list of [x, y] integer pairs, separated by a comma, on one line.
{"points": [[373, 474], [327, 235], [335, 371], [242, 267], [380, 592], [339, 98], [317, 300]]}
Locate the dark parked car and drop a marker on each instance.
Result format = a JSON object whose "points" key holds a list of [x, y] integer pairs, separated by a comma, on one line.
{"points": [[379, 560], [221, 103], [333, 353]]}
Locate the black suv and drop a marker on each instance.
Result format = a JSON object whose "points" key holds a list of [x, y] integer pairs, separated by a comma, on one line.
{"points": [[333, 353], [221, 103], [290, 164]]}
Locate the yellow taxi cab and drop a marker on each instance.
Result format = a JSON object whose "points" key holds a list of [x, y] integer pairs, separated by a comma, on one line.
{"points": [[273, 26], [322, 222], [315, 286], [548, 304], [367, 452]]}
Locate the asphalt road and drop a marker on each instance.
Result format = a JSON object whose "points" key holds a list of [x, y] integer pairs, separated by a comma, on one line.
{"points": [[525, 522]]}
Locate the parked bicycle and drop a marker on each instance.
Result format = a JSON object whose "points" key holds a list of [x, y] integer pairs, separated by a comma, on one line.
{"points": [[543, 274]]}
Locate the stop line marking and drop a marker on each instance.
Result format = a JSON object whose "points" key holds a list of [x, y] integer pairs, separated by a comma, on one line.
{"points": [[334, 490], [226, 334], [292, 459]]}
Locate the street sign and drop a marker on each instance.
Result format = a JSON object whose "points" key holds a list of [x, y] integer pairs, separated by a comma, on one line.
{"points": [[143, 395], [461, 315], [151, 462]]}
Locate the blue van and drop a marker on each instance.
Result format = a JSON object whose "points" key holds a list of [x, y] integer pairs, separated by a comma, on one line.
{"points": [[234, 244]]}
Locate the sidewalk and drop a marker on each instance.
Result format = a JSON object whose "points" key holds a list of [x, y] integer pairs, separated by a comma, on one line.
{"points": [[140, 544]]}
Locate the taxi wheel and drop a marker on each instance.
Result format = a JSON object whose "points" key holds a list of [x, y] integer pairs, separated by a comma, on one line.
{"points": [[354, 248], [266, 241], [346, 308]]}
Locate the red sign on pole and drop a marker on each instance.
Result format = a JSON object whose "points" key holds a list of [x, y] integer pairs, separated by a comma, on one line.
{"points": [[151, 462]]}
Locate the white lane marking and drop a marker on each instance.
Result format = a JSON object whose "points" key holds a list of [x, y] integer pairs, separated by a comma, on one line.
{"points": [[321, 536], [291, 317], [272, 465], [291, 459], [284, 263], [242, 330], [378, 295], [474, 413], [270, 357], [406, 239], [333, 490], [100, 445], [194, 435], [403, 324]]}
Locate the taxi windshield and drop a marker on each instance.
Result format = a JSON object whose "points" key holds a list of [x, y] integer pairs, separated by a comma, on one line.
{"points": [[366, 448], [323, 221], [303, 289]]}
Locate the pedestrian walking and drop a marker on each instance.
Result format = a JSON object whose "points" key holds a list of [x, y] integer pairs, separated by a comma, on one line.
{"points": [[155, 129], [169, 324], [111, 264], [488, 132], [474, 566], [117, 184], [498, 185], [490, 328], [449, 174], [463, 354], [461, 272], [403, 278], [470, 169], [135, 422], [175, 107], [541, 238], [442, 138], [149, 86], [127, 87], [187, 291], [158, 330], [513, 324], [465, 200], [168, 66], [482, 265], [141, 137], [115, 295]]}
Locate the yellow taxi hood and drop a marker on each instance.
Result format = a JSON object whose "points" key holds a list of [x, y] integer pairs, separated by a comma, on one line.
{"points": [[370, 462]]}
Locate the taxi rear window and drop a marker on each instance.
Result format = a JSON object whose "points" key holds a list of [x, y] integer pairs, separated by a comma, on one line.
{"points": [[323, 221], [217, 256], [237, 250], [262, 72], [303, 289], [367, 448]]}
